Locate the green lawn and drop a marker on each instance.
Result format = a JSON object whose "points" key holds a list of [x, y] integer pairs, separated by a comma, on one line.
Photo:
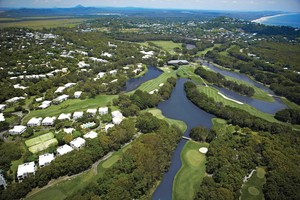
{"points": [[188, 72], [44, 23], [168, 45], [157, 113], [212, 92], [252, 189], [222, 126], [202, 53], [70, 106], [259, 93], [191, 173], [154, 83], [290, 104], [68, 187]]}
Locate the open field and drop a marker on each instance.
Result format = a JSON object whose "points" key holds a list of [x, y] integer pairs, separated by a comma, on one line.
{"points": [[154, 83], [157, 113], [252, 189], [191, 173], [43, 23], [212, 92], [202, 53], [41, 143], [167, 45], [70, 106], [68, 187]]}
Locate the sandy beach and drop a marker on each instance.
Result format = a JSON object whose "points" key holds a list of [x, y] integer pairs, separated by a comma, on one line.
{"points": [[262, 19]]}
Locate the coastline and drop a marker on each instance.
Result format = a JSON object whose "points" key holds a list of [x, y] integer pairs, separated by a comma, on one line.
{"points": [[263, 19]]}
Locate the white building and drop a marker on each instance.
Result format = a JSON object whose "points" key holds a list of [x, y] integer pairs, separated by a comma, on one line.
{"points": [[25, 170], [2, 107], [77, 94], [100, 74], [77, 143], [60, 99], [91, 135], [113, 72], [64, 149], [92, 111], [14, 99], [2, 118], [17, 130], [39, 99], [117, 117], [48, 121], [64, 116], [60, 89], [77, 115], [108, 126], [45, 104], [103, 110], [82, 64], [45, 159], [68, 85], [106, 54], [34, 122], [69, 130], [178, 62]]}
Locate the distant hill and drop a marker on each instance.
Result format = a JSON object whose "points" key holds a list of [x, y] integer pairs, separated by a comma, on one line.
{"points": [[80, 10]]}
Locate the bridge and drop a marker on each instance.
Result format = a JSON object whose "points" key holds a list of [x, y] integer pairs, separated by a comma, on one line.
{"points": [[186, 138]]}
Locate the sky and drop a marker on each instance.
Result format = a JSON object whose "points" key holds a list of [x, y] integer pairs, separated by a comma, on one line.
{"points": [[241, 5]]}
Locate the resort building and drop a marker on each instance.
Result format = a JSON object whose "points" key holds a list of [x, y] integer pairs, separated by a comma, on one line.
{"points": [[100, 74], [2, 107], [45, 159], [91, 135], [45, 104], [77, 143], [60, 89], [103, 110], [178, 62], [77, 94], [34, 122], [117, 117], [92, 111], [17, 130], [60, 99], [64, 116], [77, 115], [69, 130], [113, 72], [64, 149], [2, 118], [48, 121], [25, 170]]}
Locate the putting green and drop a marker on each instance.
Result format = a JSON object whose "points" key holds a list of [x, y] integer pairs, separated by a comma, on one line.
{"points": [[260, 173], [194, 158], [253, 191], [112, 160]]}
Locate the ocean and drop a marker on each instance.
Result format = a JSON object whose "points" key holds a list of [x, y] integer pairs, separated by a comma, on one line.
{"points": [[292, 20]]}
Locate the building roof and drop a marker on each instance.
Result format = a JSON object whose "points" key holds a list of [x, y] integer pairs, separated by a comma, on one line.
{"points": [[117, 120], [68, 130], [2, 106], [116, 113], [67, 85], [60, 89], [78, 142], [48, 120], [35, 120], [64, 116], [103, 110], [26, 168], [77, 114], [108, 126], [45, 159], [18, 129], [77, 93], [172, 62], [93, 111], [91, 135], [64, 149], [2, 118]]}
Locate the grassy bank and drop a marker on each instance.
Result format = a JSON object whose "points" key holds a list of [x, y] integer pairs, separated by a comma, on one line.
{"points": [[70, 106], [213, 93], [191, 173], [188, 72], [157, 113], [252, 189]]}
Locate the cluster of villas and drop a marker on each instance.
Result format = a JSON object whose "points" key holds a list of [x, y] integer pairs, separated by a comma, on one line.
{"points": [[117, 118], [29, 169]]}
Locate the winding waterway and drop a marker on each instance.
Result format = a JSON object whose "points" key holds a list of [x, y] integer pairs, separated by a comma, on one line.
{"points": [[179, 107]]}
